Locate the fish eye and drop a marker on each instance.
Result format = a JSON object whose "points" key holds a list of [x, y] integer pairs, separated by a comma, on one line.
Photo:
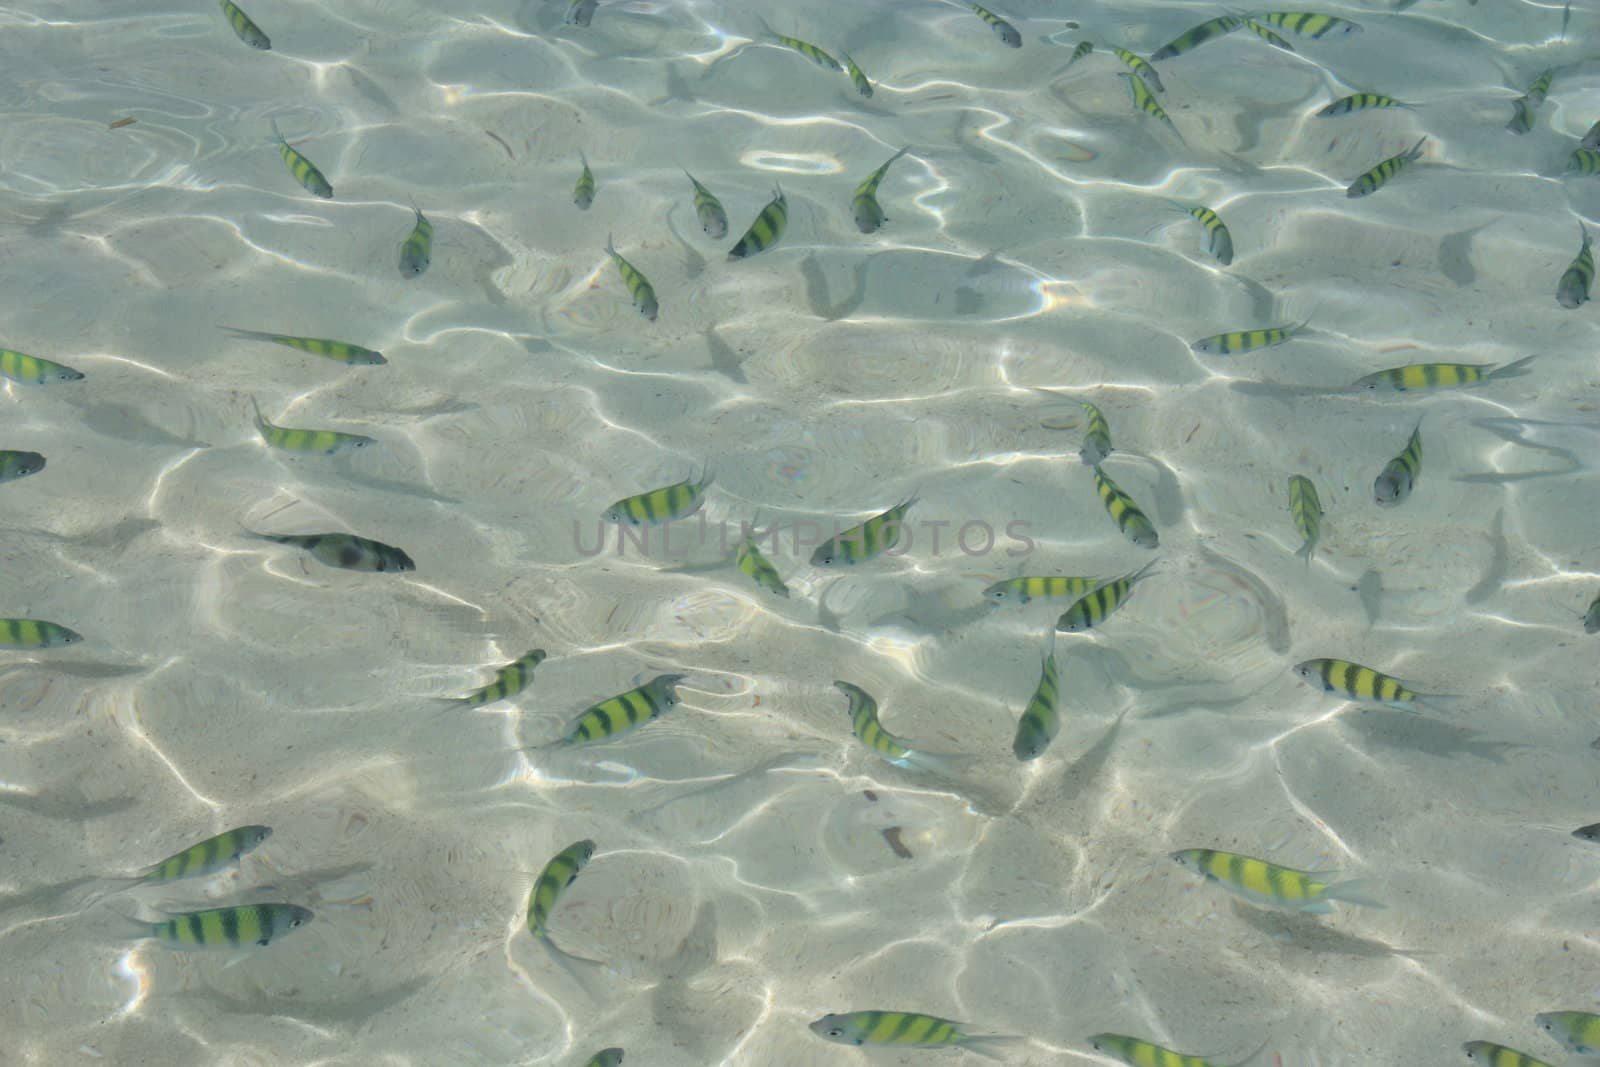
{"points": [[296, 921], [835, 1032]]}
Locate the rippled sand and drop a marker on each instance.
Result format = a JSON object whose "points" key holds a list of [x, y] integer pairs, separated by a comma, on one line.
{"points": [[744, 883]]}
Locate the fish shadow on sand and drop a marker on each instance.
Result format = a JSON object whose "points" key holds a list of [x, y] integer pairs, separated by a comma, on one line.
{"points": [[1307, 931], [1417, 732]]}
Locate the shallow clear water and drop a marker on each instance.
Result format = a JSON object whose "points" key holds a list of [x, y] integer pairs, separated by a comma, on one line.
{"points": [[744, 883]]}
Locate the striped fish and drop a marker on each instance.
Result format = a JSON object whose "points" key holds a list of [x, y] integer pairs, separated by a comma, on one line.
{"points": [[1120, 506], [1522, 117], [708, 209], [1573, 289], [869, 215], [209, 856], [759, 568], [1584, 161], [1041, 719], [509, 680], [1235, 342], [615, 716], [558, 874], [1041, 587], [339, 351], [639, 287], [230, 927], [610, 1057], [1139, 1053], [1270, 885], [1364, 685], [1400, 474], [1083, 49], [1140, 67], [766, 230], [16, 464], [416, 251], [1592, 138], [305, 172], [1487, 1052], [1193, 38], [1309, 24], [248, 31], [658, 506], [1439, 375], [1374, 179], [581, 12], [1096, 437], [1358, 102], [1267, 35], [1219, 242], [583, 192], [906, 1030], [1590, 833], [1092, 610], [1307, 512], [1540, 88], [1146, 101], [345, 551], [20, 634], [805, 48], [858, 77], [861, 543], [32, 370], [1577, 1031], [1002, 29], [292, 439], [1591, 618]]}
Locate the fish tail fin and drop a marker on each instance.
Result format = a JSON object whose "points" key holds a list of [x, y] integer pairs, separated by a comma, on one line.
{"points": [[1415, 151], [708, 474], [1353, 892], [253, 335], [945, 764], [1142, 571], [1305, 552], [611, 249], [585, 972], [261, 420], [132, 929], [1514, 370], [1439, 701], [277, 134], [906, 148], [989, 1046]]}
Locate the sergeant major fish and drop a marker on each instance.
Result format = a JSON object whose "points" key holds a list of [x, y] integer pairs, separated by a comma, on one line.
{"points": [[558, 874], [805, 48], [207, 857], [1269, 885], [1138, 1053], [230, 927], [1141, 67], [1219, 242], [656, 506], [1267, 35], [304, 171], [1307, 512], [1146, 101], [509, 680], [1094, 608], [1400, 474], [858, 77], [639, 287], [1310, 24], [1439, 375], [1359, 102], [708, 209], [247, 31], [34, 370], [1578, 278], [1577, 1031], [758, 568], [863, 711], [610, 1057], [766, 230], [339, 351], [583, 191], [1499, 1055], [16, 464], [860, 543], [906, 1030], [1041, 719], [292, 439], [1365, 685], [416, 251], [20, 634], [1584, 161], [1002, 29], [1193, 38], [1041, 587], [1096, 437], [345, 551], [869, 215], [1124, 512], [1235, 342], [615, 716], [1378, 176]]}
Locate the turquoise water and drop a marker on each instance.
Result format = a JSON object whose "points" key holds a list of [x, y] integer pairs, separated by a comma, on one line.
{"points": [[758, 867]]}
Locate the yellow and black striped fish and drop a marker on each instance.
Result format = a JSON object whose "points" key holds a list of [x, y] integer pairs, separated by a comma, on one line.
{"points": [[639, 287], [1120, 506], [1270, 885], [863, 711], [1310, 24], [1002, 29], [615, 716], [209, 856], [1576, 281], [1093, 609], [305, 172], [1140, 66], [858, 77], [16, 463], [1197, 36], [1266, 34], [861, 543], [558, 874], [292, 439], [1439, 375], [759, 568], [1146, 101], [1521, 115], [1358, 102], [1041, 719], [1374, 179], [906, 1030], [230, 927], [609, 1057], [1493, 1055], [1040, 587], [1083, 49], [21, 634], [416, 251], [338, 351], [708, 209], [1235, 342], [583, 192], [1363, 684], [869, 215], [805, 48], [248, 31], [1096, 438], [1400, 474], [581, 12], [1578, 1031], [1219, 242], [509, 680], [1139, 1053], [656, 506], [1307, 512], [345, 551], [766, 230], [1584, 161], [32, 370]]}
